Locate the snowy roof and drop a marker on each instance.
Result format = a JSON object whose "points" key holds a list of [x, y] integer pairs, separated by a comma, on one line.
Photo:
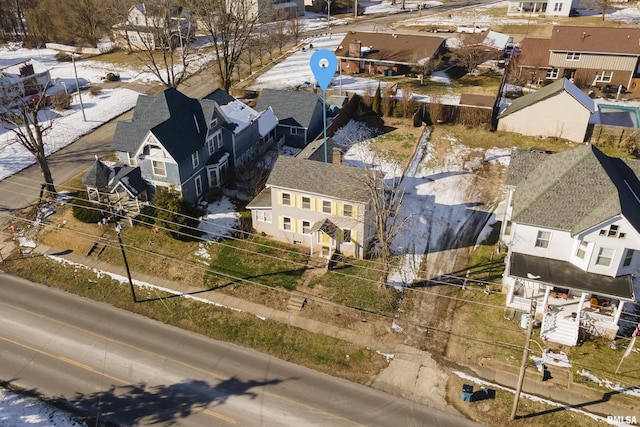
{"points": [[267, 121], [497, 40]]}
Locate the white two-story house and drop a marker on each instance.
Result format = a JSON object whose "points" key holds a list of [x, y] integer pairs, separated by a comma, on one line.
{"points": [[572, 231], [325, 206]]}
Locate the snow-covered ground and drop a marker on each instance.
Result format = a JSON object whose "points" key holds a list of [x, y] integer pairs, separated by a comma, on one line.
{"points": [[448, 188]]}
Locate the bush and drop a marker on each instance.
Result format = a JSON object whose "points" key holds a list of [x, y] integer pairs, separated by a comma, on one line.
{"points": [[85, 210], [176, 215], [146, 217], [61, 101], [63, 57], [95, 90]]}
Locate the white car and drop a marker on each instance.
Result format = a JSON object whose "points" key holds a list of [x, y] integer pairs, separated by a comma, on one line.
{"points": [[471, 29]]}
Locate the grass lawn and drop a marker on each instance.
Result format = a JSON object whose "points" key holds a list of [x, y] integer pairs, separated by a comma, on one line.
{"points": [[255, 260], [363, 293], [286, 342]]}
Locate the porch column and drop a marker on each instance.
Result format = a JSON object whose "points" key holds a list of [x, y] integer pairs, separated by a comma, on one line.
{"points": [[583, 298], [313, 235], [616, 317], [510, 292], [545, 300]]}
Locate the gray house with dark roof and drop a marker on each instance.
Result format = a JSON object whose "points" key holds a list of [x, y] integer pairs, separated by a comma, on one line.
{"points": [[324, 206], [559, 110], [190, 144], [299, 114], [572, 229]]}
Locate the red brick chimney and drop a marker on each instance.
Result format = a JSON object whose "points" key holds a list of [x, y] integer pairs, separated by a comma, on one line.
{"points": [[355, 49]]}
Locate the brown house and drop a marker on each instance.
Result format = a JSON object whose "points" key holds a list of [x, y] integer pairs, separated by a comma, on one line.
{"points": [[386, 53], [588, 56]]}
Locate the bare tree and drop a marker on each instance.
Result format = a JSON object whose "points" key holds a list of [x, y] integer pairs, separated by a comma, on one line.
{"points": [[602, 5], [160, 36], [386, 195], [469, 57], [25, 124], [229, 25], [12, 19], [424, 67], [295, 27], [278, 30]]}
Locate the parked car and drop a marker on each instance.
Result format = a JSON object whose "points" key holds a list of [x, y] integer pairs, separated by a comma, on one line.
{"points": [[34, 101], [614, 89], [472, 29]]}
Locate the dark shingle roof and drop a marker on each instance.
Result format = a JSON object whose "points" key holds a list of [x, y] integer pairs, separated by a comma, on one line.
{"points": [[176, 120], [576, 190], [326, 179], [97, 176], [130, 178], [566, 275], [605, 40], [220, 97], [292, 108], [546, 92]]}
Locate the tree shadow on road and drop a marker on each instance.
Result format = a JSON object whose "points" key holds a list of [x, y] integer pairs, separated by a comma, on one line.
{"points": [[141, 404]]}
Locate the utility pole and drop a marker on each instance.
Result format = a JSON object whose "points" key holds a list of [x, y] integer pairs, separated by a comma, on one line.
{"points": [[525, 357], [75, 71], [126, 264]]}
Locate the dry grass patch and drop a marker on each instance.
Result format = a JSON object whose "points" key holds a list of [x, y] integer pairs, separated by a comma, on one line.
{"points": [[400, 143], [497, 412]]}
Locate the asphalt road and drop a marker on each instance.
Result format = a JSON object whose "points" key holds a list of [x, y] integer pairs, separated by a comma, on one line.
{"points": [[129, 370]]}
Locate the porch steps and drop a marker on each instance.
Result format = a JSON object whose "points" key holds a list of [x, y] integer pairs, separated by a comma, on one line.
{"points": [[559, 326], [296, 303]]}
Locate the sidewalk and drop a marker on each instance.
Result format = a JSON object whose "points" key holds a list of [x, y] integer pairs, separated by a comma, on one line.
{"points": [[412, 374]]}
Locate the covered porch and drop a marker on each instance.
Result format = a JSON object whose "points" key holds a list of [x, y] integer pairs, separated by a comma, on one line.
{"points": [[567, 299]]}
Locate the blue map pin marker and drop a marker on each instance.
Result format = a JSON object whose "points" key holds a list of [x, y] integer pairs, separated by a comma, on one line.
{"points": [[323, 64]]}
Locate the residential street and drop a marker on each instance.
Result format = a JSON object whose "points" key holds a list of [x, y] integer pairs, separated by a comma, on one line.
{"points": [[129, 370]]}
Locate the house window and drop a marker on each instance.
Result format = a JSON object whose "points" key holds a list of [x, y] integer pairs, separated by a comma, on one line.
{"points": [[214, 122], [613, 231], [306, 202], [286, 199], [195, 160], [346, 235], [552, 73], [159, 168], [605, 255], [557, 7], [263, 216], [294, 131], [347, 210], [542, 241], [582, 249], [286, 223], [326, 206], [210, 146], [573, 56], [628, 257], [604, 76], [306, 227], [198, 183]]}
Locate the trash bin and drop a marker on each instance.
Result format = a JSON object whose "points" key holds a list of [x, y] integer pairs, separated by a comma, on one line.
{"points": [[467, 392], [524, 321]]}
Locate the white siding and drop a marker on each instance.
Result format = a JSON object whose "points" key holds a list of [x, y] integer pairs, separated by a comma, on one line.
{"points": [[560, 116]]}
